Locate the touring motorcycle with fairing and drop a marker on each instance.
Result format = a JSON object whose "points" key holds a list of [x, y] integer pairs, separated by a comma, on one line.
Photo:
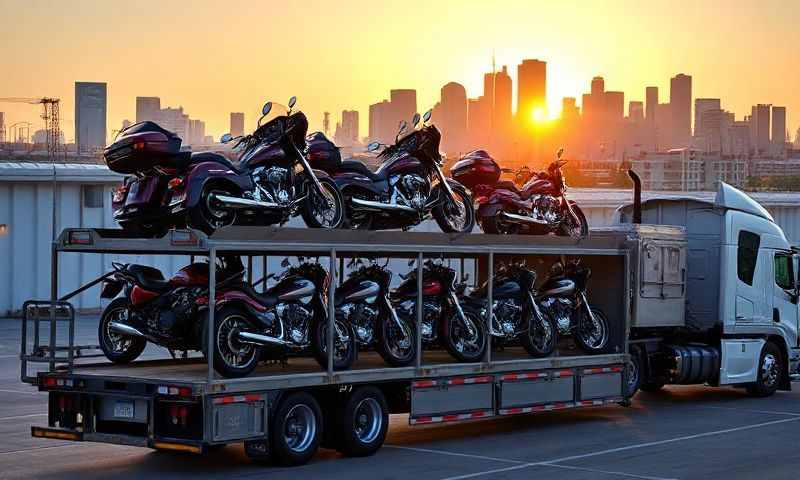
{"points": [[538, 207], [444, 321], [515, 313], [562, 297], [272, 181], [407, 188]]}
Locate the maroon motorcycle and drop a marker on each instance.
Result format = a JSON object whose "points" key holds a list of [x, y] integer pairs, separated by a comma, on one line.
{"points": [[538, 207], [272, 181]]}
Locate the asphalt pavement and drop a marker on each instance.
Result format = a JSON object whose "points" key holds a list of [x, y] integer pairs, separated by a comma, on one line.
{"points": [[689, 432]]}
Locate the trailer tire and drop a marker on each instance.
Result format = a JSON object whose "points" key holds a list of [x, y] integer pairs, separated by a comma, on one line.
{"points": [[633, 374], [297, 430], [362, 423], [770, 370]]}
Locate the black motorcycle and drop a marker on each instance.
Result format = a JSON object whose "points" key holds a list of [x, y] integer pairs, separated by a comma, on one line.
{"points": [[290, 317], [515, 313], [407, 188], [562, 297], [444, 322], [152, 308], [363, 301]]}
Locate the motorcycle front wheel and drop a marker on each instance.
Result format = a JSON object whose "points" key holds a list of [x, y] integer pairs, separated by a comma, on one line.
{"points": [[326, 210], [397, 344], [344, 344], [457, 215], [541, 336], [570, 229], [465, 341], [592, 336]]}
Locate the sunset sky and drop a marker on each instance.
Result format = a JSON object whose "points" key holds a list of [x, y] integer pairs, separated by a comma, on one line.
{"points": [[216, 57]]}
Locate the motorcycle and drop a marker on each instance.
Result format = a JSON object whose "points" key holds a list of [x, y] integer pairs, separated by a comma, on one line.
{"points": [[363, 302], [515, 313], [163, 312], [272, 182], [407, 188], [562, 297], [443, 320], [538, 207], [290, 317]]}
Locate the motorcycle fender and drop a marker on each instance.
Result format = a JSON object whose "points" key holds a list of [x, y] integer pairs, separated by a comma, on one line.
{"points": [[353, 180], [438, 193], [212, 171], [111, 288], [232, 297]]}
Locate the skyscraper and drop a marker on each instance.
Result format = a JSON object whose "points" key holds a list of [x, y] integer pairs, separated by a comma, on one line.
{"points": [[636, 111], [531, 88], [778, 130], [651, 103], [614, 106], [147, 109], [453, 121], [197, 132], [404, 104], [680, 99], [347, 131], [90, 116], [380, 118], [237, 124], [702, 105], [598, 86], [759, 129], [569, 110], [497, 89]]}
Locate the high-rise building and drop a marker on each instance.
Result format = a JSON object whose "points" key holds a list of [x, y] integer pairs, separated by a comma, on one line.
{"points": [[709, 132], [663, 134], [147, 109], [174, 120], [453, 120], [90, 116], [531, 88], [347, 129], [651, 103], [636, 111], [598, 86], [197, 132], [778, 130], [237, 124], [614, 106], [380, 118], [385, 116], [404, 104], [497, 89], [680, 99], [703, 105], [569, 110], [479, 116], [760, 129]]}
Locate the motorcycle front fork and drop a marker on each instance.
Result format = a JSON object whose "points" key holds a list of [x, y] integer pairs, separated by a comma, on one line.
{"points": [[460, 312]]}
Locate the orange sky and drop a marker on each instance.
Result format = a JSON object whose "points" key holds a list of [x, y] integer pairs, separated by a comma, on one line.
{"points": [[216, 57]]}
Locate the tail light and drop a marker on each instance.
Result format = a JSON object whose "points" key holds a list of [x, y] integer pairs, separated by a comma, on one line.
{"points": [[175, 183], [119, 194], [80, 237], [139, 145]]}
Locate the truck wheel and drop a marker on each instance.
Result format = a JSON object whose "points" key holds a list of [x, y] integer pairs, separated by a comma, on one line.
{"points": [[361, 427], [297, 430], [117, 347], [770, 368], [633, 374]]}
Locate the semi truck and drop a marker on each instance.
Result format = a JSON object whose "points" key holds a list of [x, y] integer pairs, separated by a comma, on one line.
{"points": [[694, 292]]}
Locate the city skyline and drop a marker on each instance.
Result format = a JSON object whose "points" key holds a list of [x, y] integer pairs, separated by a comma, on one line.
{"points": [[215, 75]]}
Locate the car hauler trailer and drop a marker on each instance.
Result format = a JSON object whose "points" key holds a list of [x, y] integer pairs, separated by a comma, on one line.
{"points": [[283, 408]]}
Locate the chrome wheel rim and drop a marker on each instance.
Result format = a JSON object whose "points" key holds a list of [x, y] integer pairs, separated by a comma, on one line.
{"points": [[341, 343], [235, 353], [368, 420], [300, 428], [541, 333], [596, 336], [770, 371], [399, 343], [457, 215], [118, 342], [326, 209], [466, 338]]}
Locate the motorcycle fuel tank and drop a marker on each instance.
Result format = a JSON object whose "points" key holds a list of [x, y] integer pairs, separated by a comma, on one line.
{"points": [[562, 287], [363, 290], [539, 186], [294, 289], [139, 295], [402, 164], [194, 274], [506, 289]]}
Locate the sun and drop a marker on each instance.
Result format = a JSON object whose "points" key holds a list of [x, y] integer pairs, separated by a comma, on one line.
{"points": [[538, 115]]}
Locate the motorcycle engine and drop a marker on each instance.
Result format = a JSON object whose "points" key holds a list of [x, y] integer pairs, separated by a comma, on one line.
{"points": [[274, 184], [174, 314], [508, 316], [363, 318], [415, 191], [296, 321], [560, 310], [431, 311], [546, 208]]}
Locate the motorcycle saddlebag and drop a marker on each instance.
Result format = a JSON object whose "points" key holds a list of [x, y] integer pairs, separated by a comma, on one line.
{"points": [[322, 153], [475, 168], [141, 147]]}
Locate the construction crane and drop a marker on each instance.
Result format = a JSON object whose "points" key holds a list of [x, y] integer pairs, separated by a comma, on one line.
{"points": [[50, 115]]}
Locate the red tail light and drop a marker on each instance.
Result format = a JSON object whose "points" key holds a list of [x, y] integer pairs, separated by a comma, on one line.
{"points": [[175, 183], [139, 146]]}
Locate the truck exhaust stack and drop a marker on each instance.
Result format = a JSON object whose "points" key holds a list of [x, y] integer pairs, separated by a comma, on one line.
{"points": [[637, 196]]}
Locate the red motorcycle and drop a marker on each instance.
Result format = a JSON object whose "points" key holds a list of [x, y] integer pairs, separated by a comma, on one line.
{"points": [[538, 207]]}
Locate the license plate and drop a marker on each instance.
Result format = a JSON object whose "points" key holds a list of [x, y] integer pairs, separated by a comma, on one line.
{"points": [[123, 410]]}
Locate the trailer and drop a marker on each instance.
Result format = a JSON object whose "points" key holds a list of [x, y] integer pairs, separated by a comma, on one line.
{"points": [[287, 409]]}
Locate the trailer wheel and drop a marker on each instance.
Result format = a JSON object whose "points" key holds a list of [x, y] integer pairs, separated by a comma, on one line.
{"points": [[297, 430], [361, 427], [770, 369], [633, 374]]}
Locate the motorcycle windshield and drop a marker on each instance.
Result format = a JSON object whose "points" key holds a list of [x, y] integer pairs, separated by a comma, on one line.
{"points": [[277, 110]]}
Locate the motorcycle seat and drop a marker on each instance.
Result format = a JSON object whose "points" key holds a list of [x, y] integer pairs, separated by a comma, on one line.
{"points": [[267, 299], [148, 278], [201, 157], [358, 167]]}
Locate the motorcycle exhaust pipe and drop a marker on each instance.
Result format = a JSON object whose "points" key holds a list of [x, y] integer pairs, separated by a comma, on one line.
{"points": [[514, 218], [228, 201], [370, 205], [261, 340], [123, 329]]}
